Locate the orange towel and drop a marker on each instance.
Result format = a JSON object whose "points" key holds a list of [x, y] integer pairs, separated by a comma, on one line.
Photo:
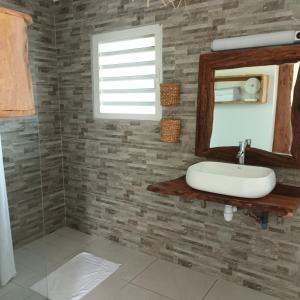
{"points": [[16, 97]]}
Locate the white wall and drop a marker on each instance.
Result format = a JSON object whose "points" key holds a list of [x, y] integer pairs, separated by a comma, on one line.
{"points": [[237, 122]]}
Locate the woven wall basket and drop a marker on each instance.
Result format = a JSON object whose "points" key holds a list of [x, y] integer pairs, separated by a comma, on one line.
{"points": [[169, 94], [170, 130]]}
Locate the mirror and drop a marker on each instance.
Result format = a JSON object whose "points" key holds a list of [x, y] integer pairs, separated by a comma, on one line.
{"points": [[250, 94], [254, 103]]}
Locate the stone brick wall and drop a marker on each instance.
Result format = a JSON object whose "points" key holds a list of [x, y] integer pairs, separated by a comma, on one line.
{"points": [[108, 164], [32, 145]]}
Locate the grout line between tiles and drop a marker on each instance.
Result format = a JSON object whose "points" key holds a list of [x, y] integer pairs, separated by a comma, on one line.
{"points": [[9, 291], [142, 287], [22, 287], [209, 290], [152, 291], [146, 268]]}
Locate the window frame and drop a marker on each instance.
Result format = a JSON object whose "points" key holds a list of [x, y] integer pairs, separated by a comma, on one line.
{"points": [[132, 33]]}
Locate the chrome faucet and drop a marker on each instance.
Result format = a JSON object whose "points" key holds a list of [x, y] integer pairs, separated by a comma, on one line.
{"points": [[242, 152]]}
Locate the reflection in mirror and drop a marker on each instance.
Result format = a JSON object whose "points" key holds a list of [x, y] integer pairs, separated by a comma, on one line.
{"points": [[240, 89], [254, 103]]}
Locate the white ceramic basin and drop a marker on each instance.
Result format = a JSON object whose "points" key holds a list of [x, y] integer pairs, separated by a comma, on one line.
{"points": [[231, 179]]}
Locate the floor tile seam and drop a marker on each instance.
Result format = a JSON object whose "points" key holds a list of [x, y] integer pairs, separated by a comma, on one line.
{"points": [[23, 287], [210, 289], [9, 291], [124, 284], [150, 290], [145, 269], [75, 240]]}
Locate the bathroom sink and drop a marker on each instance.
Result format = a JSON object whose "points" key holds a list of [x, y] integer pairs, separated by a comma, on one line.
{"points": [[231, 179]]}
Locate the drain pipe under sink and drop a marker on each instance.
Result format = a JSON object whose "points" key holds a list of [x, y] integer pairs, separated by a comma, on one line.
{"points": [[228, 212]]}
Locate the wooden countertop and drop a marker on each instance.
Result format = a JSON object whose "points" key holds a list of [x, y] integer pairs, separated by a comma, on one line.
{"points": [[283, 201]]}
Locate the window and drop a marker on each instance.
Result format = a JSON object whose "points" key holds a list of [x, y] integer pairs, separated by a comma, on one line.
{"points": [[127, 70]]}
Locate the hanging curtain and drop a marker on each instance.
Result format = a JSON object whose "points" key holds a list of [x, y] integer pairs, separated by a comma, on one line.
{"points": [[7, 263]]}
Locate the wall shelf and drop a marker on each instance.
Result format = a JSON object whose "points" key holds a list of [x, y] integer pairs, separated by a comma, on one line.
{"points": [[263, 90], [283, 201]]}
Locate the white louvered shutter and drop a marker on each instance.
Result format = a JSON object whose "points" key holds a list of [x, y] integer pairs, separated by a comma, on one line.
{"points": [[128, 73]]}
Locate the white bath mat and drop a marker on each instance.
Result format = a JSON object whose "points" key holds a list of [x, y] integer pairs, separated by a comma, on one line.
{"points": [[76, 278]]}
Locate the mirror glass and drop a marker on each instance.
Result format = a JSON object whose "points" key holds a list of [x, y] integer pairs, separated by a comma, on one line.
{"points": [[254, 103]]}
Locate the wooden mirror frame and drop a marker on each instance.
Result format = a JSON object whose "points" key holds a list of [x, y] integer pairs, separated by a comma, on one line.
{"points": [[210, 62]]}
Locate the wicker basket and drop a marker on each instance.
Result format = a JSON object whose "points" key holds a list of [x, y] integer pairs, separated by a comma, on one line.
{"points": [[169, 94], [170, 130]]}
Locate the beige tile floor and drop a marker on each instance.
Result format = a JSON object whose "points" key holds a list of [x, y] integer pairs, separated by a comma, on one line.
{"points": [[141, 277]]}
